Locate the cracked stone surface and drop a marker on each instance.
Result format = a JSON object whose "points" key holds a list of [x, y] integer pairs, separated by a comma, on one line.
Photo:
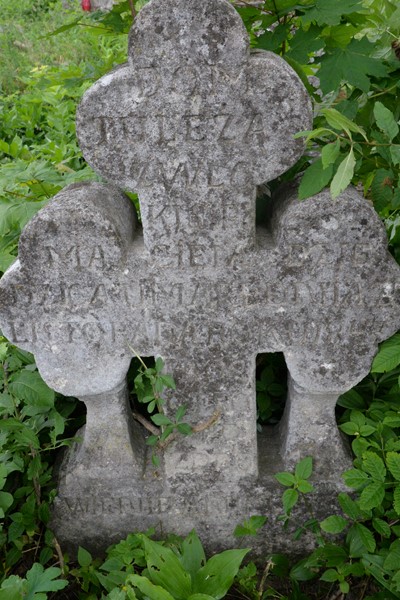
{"points": [[193, 123]]}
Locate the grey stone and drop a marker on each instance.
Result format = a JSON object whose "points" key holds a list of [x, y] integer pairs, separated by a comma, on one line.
{"points": [[194, 123]]}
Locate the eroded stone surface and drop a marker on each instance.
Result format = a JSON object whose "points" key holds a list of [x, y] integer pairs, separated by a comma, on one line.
{"points": [[193, 123]]}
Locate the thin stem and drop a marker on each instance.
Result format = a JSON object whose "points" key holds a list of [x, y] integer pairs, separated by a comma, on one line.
{"points": [[133, 10]]}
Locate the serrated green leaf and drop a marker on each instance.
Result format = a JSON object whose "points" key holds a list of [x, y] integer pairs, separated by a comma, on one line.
{"points": [[334, 524], [314, 179], [287, 479], [355, 478], [385, 120], [289, 499], [305, 42], [374, 465], [382, 527], [343, 175], [217, 576], [84, 557], [392, 561], [326, 12], [388, 356], [352, 64], [396, 499], [250, 526], [349, 507], [372, 496], [361, 540], [305, 487], [30, 387], [393, 463], [303, 469]]}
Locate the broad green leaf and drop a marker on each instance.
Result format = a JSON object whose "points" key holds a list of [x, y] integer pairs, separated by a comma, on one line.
{"points": [[326, 12], [339, 121], [349, 507], [395, 155], [201, 597], [289, 499], [12, 588], [304, 42], [330, 575], [192, 554], [84, 557], [372, 496], [6, 501], [382, 527], [392, 561], [388, 356], [355, 478], [43, 580], [374, 465], [285, 478], [151, 591], [29, 386], [382, 188], [334, 524], [305, 487], [160, 419], [314, 179], [396, 499], [385, 120], [393, 463], [303, 469], [165, 570], [329, 153], [343, 175], [250, 526], [352, 64], [217, 576], [361, 540]]}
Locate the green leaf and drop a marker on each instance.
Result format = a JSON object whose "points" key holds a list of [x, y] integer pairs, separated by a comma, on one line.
{"points": [[192, 554], [392, 561], [361, 540], [304, 42], [305, 487], [393, 463], [385, 120], [355, 478], [151, 591], [250, 526], [43, 580], [340, 122], [201, 597], [159, 365], [184, 429], [165, 569], [374, 465], [388, 356], [344, 175], [326, 12], [352, 64], [12, 588], [314, 179], [6, 501], [330, 575], [289, 499], [382, 527], [180, 413], [29, 386], [372, 496], [396, 499], [329, 153], [334, 524], [160, 419], [84, 557], [286, 479], [382, 189], [217, 576], [349, 507], [303, 469], [395, 155]]}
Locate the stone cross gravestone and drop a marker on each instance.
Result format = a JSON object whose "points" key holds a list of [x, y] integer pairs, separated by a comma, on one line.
{"points": [[193, 123]]}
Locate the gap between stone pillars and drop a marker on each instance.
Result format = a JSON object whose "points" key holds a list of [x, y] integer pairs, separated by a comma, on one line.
{"points": [[112, 441], [308, 428]]}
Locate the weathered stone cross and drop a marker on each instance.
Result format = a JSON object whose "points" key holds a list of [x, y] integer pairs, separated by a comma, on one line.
{"points": [[194, 123]]}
